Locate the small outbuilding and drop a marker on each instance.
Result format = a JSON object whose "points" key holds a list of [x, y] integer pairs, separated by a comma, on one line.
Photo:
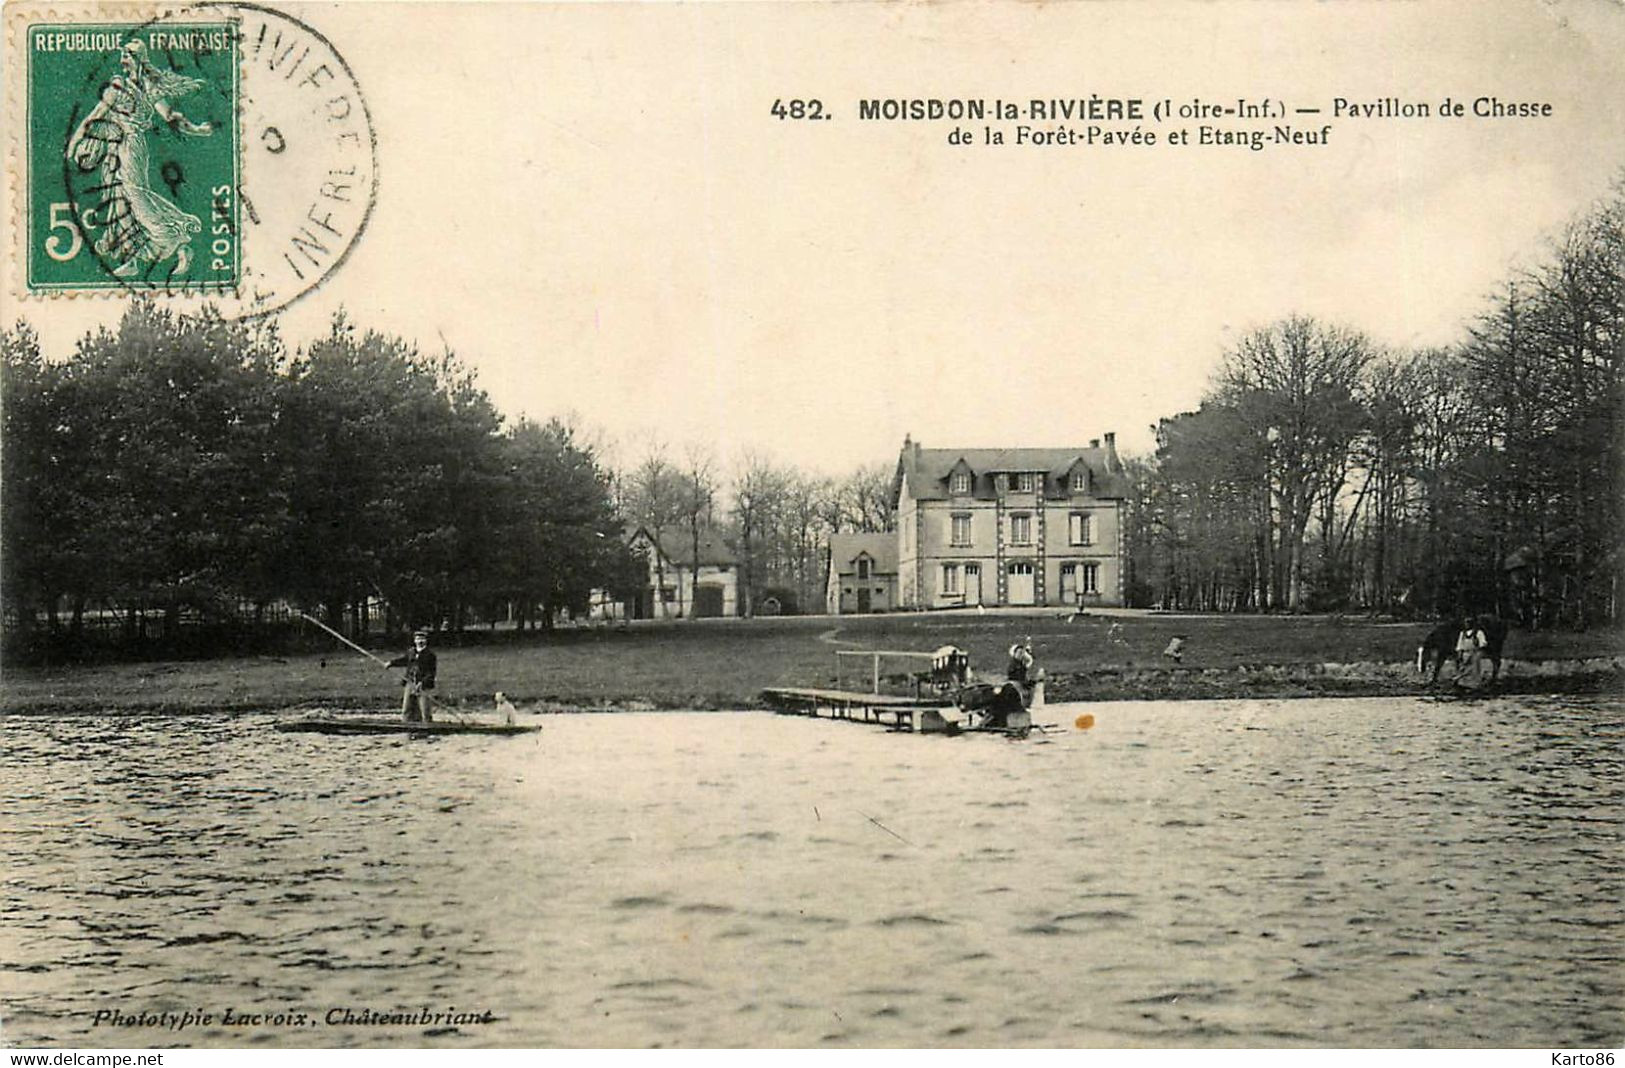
{"points": [[683, 583], [862, 574]]}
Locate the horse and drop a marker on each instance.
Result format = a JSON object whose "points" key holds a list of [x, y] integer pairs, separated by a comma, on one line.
{"points": [[1438, 646], [1495, 637]]}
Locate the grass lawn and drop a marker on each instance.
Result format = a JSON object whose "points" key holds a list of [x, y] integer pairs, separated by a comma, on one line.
{"points": [[724, 664]]}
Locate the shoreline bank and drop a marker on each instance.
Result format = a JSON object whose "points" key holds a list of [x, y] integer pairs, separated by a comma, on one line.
{"points": [[1594, 676], [1601, 675]]}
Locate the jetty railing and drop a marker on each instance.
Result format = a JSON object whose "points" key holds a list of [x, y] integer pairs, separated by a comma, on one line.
{"points": [[875, 656]]}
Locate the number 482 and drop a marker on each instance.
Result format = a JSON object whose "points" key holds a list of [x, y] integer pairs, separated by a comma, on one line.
{"points": [[799, 109]]}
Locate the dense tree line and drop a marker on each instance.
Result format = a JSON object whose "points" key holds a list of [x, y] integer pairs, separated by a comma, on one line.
{"points": [[181, 483], [1322, 472], [186, 465]]}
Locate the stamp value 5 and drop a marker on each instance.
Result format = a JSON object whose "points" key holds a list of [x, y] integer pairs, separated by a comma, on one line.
{"points": [[133, 157]]}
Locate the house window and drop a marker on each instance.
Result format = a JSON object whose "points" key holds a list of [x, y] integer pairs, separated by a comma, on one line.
{"points": [[961, 530], [1091, 578], [1080, 528], [1021, 530], [961, 483], [863, 567], [950, 579], [1025, 481], [1080, 480]]}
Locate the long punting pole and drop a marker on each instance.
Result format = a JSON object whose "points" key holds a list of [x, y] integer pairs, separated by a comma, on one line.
{"points": [[378, 659], [345, 640]]}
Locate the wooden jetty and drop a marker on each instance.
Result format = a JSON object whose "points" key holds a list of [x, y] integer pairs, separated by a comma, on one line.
{"points": [[995, 708], [897, 711]]}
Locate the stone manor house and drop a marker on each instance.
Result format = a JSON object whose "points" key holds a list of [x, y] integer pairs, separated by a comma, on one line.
{"points": [[991, 527]]}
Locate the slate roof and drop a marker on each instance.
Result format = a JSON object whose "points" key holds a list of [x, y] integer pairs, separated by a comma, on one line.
{"points": [[926, 471], [844, 550], [677, 546]]}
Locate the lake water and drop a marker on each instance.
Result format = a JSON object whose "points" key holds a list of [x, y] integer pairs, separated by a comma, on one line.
{"points": [[1350, 873]]}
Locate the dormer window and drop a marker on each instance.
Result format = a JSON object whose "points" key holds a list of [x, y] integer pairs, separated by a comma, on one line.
{"points": [[1080, 480], [1026, 482], [863, 567], [959, 485]]}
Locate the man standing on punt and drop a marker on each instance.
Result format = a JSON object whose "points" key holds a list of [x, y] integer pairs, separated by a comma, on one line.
{"points": [[420, 668]]}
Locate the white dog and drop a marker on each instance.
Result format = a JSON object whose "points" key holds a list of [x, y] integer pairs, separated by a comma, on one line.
{"points": [[505, 708]]}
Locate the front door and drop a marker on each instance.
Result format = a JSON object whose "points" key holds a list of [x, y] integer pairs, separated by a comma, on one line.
{"points": [[973, 583], [707, 602], [1021, 583], [1069, 583], [863, 598]]}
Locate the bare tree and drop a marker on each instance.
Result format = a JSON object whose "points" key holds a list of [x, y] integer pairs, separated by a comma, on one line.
{"points": [[653, 500], [1296, 384], [758, 495], [866, 496], [696, 496], [804, 532]]}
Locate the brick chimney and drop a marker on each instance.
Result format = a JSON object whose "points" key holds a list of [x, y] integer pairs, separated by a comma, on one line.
{"points": [[1112, 462]]}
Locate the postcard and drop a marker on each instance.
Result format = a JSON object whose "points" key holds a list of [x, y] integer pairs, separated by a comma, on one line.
{"points": [[1160, 460]]}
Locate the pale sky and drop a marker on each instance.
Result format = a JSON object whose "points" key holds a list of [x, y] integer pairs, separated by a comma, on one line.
{"points": [[592, 204]]}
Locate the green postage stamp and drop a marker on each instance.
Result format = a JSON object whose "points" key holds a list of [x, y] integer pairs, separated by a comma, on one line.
{"points": [[132, 156]]}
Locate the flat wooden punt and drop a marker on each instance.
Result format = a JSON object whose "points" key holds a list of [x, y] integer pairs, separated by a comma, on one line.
{"points": [[851, 704], [359, 725]]}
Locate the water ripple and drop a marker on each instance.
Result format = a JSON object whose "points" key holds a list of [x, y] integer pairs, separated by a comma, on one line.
{"points": [[1352, 873]]}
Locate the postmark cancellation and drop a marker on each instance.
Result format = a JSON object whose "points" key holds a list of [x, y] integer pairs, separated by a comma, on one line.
{"points": [[215, 153]]}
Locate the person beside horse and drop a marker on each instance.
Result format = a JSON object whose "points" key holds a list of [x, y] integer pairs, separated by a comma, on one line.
{"points": [[1468, 643]]}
